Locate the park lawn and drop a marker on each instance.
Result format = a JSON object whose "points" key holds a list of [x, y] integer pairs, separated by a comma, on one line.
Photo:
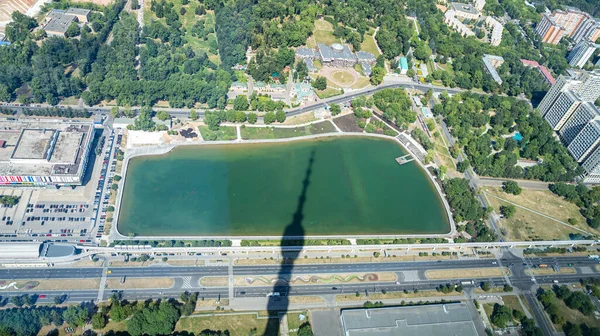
{"points": [[294, 321], [361, 82], [441, 151], [238, 324], [574, 316], [328, 92], [224, 133], [252, 133], [513, 303], [370, 45], [546, 202], [526, 225]]}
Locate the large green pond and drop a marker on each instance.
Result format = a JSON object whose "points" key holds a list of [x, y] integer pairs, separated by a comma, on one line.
{"points": [[353, 186]]}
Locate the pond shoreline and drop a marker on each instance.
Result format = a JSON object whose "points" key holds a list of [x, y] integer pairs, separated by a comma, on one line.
{"points": [[165, 149]]}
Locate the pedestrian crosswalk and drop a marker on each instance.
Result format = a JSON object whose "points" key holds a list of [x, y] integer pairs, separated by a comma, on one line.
{"points": [[409, 276], [187, 282]]}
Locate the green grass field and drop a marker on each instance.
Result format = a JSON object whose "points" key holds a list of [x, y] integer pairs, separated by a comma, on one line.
{"points": [[328, 92], [224, 133], [243, 324], [369, 45], [253, 133]]}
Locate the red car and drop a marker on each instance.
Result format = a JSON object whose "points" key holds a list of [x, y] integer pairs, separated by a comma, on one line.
{"points": [[42, 296]]}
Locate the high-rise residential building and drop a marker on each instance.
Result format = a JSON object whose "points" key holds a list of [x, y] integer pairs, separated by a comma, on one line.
{"points": [[581, 53], [549, 30], [571, 22], [589, 29], [586, 141], [562, 109], [591, 165], [585, 85], [497, 29], [582, 115], [563, 83], [570, 19]]}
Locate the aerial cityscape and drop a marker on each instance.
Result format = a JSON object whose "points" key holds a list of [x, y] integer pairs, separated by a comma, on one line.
{"points": [[281, 167]]}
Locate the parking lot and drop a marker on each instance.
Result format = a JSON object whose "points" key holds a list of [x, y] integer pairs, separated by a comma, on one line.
{"points": [[67, 214], [107, 173]]}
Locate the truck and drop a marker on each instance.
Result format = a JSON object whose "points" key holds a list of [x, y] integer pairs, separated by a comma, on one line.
{"points": [[464, 283], [594, 257]]}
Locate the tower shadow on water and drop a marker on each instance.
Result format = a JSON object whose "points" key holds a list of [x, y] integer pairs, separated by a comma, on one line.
{"points": [[292, 235]]}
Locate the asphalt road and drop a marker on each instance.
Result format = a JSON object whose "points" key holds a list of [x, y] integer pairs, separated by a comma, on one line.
{"points": [[170, 271], [105, 110]]}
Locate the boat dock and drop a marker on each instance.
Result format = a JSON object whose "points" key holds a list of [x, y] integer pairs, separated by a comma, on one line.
{"points": [[404, 159]]}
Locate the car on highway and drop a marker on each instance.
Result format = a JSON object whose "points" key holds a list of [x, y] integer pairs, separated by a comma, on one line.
{"points": [[109, 272], [42, 296]]}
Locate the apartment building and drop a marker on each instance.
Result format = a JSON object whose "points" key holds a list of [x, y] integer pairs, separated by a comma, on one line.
{"points": [[581, 53]]}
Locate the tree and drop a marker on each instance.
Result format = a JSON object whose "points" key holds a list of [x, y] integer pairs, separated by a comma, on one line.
{"points": [[182, 11], [463, 165], [511, 187], [157, 319], [98, 321], [163, 115], [240, 103], [377, 75], [486, 286], [507, 288], [18, 29], [115, 112], [135, 4], [320, 83], [193, 114], [335, 109], [305, 330], [73, 30], [507, 210], [114, 186], [501, 315], [117, 178], [280, 116], [269, 118], [212, 120], [252, 118], [76, 315]]}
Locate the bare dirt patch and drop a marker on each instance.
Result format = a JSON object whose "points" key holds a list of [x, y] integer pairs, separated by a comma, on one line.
{"points": [[460, 273], [347, 123], [214, 281], [65, 284], [550, 271]]}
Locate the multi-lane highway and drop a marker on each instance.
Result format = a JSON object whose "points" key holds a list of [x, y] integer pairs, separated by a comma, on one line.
{"points": [[171, 271]]}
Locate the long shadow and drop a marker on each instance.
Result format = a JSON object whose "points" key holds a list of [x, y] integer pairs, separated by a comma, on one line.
{"points": [[293, 235]]}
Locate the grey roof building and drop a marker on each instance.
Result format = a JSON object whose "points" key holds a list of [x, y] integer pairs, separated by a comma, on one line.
{"points": [[80, 13], [430, 320], [57, 22], [490, 62], [366, 68], [310, 65], [305, 53], [364, 56], [337, 54]]}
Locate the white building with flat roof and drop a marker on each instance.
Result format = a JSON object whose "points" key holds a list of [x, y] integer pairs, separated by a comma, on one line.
{"points": [[586, 141], [582, 115], [562, 109], [497, 29], [581, 53], [40, 153]]}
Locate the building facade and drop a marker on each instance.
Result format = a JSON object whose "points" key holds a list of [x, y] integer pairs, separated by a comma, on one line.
{"points": [[581, 53], [550, 31], [497, 28], [582, 115], [562, 109], [586, 141]]}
